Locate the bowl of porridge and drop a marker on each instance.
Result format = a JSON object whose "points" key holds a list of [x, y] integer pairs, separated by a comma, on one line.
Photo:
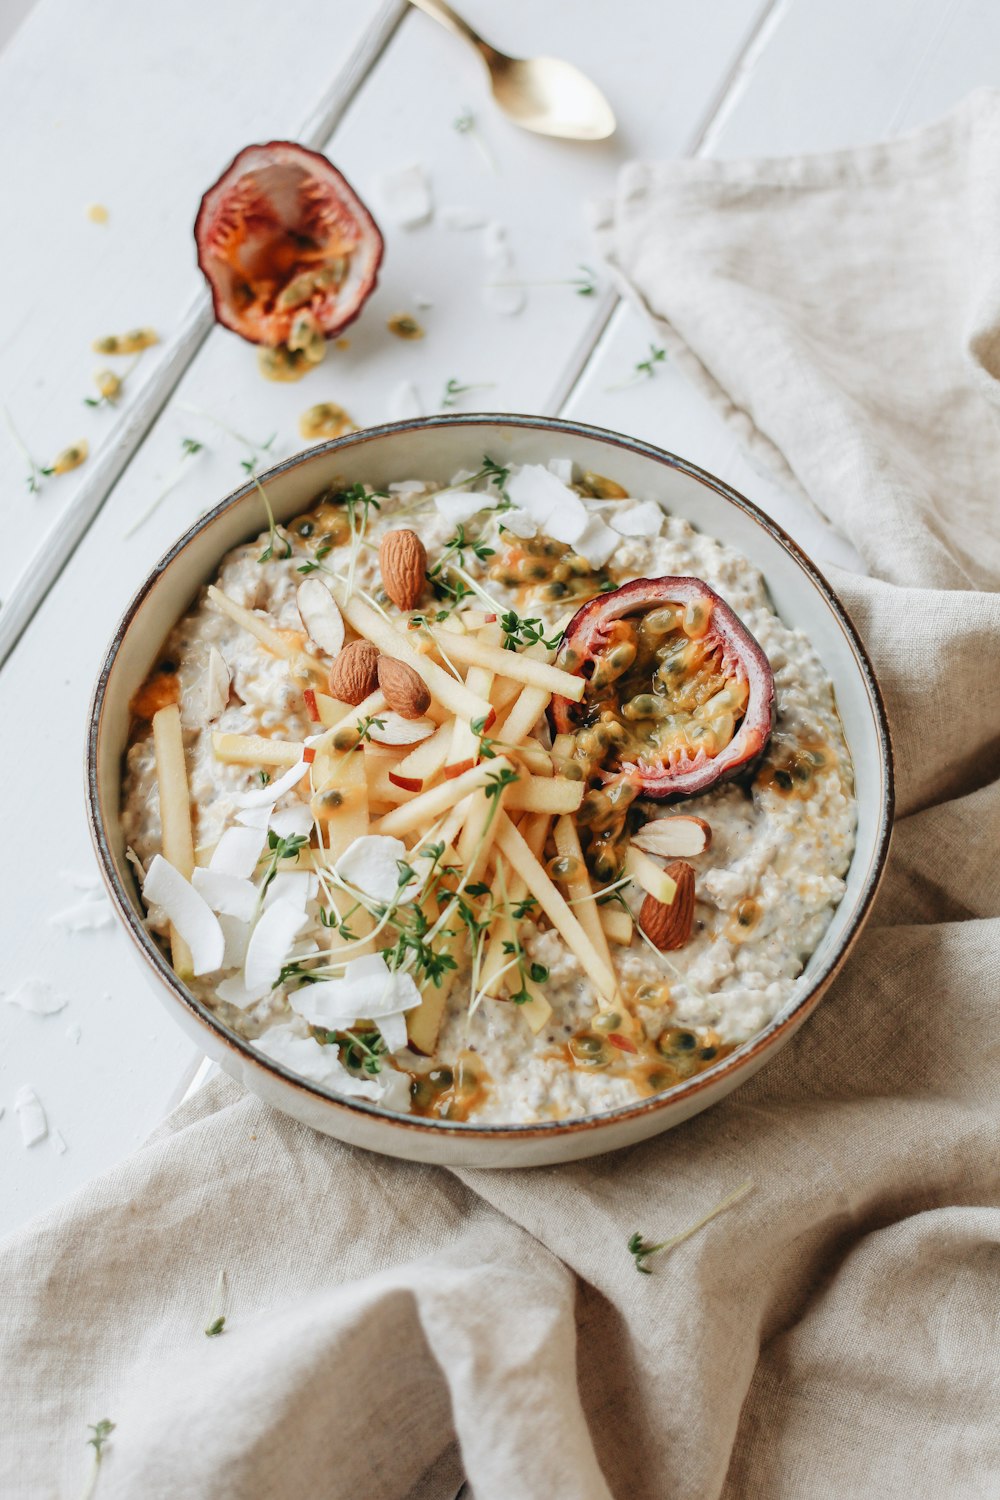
{"points": [[489, 791]]}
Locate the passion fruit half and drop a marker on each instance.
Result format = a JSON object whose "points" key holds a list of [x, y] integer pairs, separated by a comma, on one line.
{"points": [[284, 241], [679, 695]]}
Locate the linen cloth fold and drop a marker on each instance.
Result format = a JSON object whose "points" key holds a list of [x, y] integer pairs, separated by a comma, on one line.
{"points": [[836, 1333]]}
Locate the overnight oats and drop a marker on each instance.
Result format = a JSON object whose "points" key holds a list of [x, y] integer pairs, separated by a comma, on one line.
{"points": [[505, 801]]}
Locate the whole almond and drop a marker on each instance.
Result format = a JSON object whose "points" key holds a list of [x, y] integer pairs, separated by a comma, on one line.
{"points": [[402, 557], [354, 674], [403, 688], [669, 927]]}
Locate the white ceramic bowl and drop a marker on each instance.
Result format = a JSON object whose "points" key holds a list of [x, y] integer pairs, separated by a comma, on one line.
{"points": [[435, 447]]}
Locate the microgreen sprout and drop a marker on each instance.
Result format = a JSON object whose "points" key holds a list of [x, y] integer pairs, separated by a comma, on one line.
{"points": [[216, 1319], [359, 1050], [36, 473], [101, 1432], [455, 549], [265, 777], [256, 450], [465, 124], [272, 530], [190, 447], [279, 849], [644, 369], [584, 285], [518, 632], [641, 1249], [454, 388]]}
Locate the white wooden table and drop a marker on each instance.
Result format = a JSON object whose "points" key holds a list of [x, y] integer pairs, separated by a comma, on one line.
{"points": [[139, 108]]}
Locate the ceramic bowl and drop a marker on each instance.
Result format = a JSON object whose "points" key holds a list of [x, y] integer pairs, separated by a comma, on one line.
{"points": [[435, 447]]}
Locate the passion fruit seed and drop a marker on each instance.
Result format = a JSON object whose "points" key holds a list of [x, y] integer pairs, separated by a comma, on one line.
{"points": [[404, 327], [325, 420], [132, 342], [70, 458], [590, 1051], [283, 364], [109, 384], [565, 867]]}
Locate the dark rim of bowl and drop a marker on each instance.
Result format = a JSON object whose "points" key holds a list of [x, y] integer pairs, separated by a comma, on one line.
{"points": [[736, 1061]]}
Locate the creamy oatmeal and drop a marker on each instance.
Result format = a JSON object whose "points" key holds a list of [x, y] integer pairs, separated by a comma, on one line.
{"points": [[413, 878]]}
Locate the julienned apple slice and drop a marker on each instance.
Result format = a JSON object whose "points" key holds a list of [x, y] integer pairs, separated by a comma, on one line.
{"points": [[176, 836], [270, 638], [448, 692], [254, 750], [647, 873], [578, 886], [422, 764], [430, 805], [464, 750], [534, 829], [523, 667], [555, 794], [617, 923]]}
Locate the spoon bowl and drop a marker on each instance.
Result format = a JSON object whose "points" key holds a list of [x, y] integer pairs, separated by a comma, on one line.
{"points": [[543, 94]]}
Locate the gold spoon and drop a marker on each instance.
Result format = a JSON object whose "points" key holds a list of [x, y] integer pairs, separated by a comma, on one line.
{"points": [[543, 94]]}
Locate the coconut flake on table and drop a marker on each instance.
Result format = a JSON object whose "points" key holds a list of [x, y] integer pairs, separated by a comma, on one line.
{"points": [[371, 865], [310, 1059], [292, 822], [267, 950], [191, 915], [506, 300], [59, 1141], [238, 851], [405, 403], [406, 195], [86, 916], [37, 996], [421, 301], [453, 217], [230, 895], [80, 881], [30, 1116], [270, 794], [643, 519], [73, 1033]]}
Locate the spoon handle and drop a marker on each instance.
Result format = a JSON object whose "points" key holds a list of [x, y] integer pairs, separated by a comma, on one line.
{"points": [[446, 17]]}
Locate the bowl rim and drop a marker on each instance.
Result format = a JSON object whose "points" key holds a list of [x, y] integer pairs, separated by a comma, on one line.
{"points": [[739, 1061]]}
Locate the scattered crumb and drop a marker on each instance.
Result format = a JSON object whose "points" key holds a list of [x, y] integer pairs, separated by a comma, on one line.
{"points": [[97, 213], [404, 326], [421, 300], [342, 343], [81, 880], [31, 1116], [463, 218], [73, 1033], [406, 196], [86, 916]]}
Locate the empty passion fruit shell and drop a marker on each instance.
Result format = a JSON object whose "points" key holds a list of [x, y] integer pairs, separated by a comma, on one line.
{"points": [[284, 239], [680, 694]]}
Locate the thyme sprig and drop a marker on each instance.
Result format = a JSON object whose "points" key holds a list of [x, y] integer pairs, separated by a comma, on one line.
{"points": [[454, 388], [454, 551], [641, 1249], [519, 632], [190, 447], [465, 124], [288, 847], [101, 1432], [272, 530], [256, 450], [584, 285], [644, 369], [36, 472]]}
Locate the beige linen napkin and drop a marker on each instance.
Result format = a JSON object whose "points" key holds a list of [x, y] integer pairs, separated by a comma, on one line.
{"points": [[836, 1334]]}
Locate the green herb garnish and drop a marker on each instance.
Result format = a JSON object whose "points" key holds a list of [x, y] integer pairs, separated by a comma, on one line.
{"points": [[641, 1249]]}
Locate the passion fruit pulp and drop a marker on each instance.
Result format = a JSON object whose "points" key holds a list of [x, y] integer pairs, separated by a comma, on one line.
{"points": [[287, 247], [679, 694]]}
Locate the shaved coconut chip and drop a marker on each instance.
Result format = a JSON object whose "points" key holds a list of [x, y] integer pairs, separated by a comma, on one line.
{"points": [[392, 729], [393, 1032], [237, 935], [321, 1064], [463, 218], [189, 913], [297, 887], [215, 685], [644, 519], [235, 992], [319, 614], [256, 817], [459, 506], [86, 916], [519, 523], [269, 943], [422, 301], [371, 865], [556, 508], [30, 1117], [38, 997], [238, 851], [506, 300], [291, 822], [406, 196], [562, 468], [596, 542], [226, 893], [367, 992], [403, 403], [59, 1141], [407, 487], [73, 1033], [274, 789]]}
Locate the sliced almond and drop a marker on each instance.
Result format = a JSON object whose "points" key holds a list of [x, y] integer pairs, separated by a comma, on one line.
{"points": [[319, 613], [354, 674], [669, 927], [392, 728], [680, 837], [402, 557], [404, 690]]}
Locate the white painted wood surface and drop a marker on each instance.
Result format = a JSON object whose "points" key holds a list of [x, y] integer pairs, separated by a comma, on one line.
{"points": [[139, 115]]}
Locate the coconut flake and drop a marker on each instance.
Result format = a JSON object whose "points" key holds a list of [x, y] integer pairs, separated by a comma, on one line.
{"points": [[597, 542], [237, 935], [237, 852], [190, 913], [86, 916], [519, 523], [321, 1064], [38, 997], [562, 468], [407, 487], [406, 196], [30, 1116], [80, 881], [235, 992], [371, 865], [59, 1141], [256, 817], [367, 991], [215, 684], [644, 519], [73, 1033], [274, 789], [292, 822], [405, 403], [319, 614], [297, 887], [506, 300], [269, 943], [227, 894], [459, 506], [393, 1032], [554, 507]]}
